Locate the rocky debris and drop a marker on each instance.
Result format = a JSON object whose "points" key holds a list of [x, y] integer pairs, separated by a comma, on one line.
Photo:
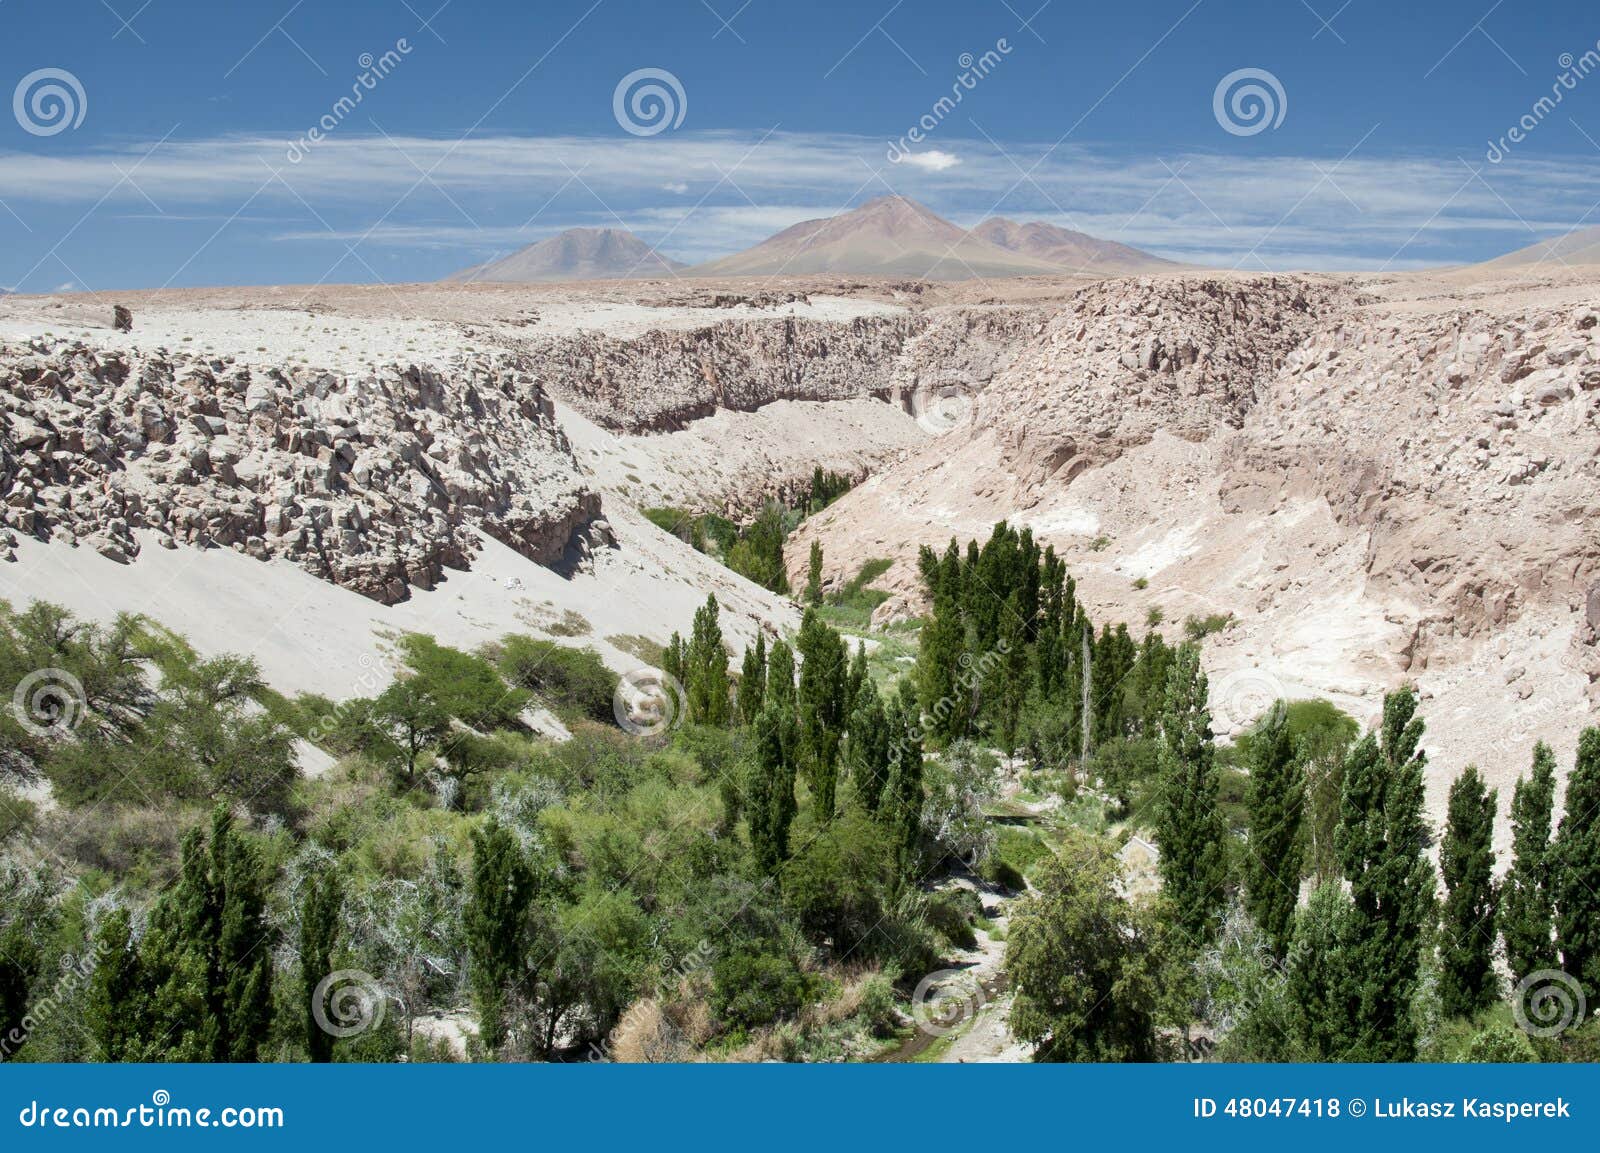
{"points": [[1461, 441], [375, 483], [1126, 358], [664, 379], [121, 318]]}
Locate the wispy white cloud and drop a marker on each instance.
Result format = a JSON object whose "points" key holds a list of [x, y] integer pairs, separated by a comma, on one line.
{"points": [[702, 194]]}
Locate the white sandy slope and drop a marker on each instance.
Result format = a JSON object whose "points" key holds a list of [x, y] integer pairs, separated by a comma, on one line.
{"points": [[309, 635]]}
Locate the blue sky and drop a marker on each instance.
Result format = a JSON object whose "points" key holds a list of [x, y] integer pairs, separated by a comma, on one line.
{"points": [[494, 124]]}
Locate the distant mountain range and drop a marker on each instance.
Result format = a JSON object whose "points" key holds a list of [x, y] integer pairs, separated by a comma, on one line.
{"points": [[576, 254], [889, 236]]}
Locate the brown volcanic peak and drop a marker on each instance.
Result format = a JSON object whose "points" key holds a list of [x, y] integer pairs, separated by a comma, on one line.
{"points": [[577, 254], [1076, 251], [890, 236]]}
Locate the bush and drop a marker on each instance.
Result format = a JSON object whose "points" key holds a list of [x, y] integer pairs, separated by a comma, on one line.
{"points": [[951, 913], [877, 1009], [571, 681], [751, 988], [998, 871]]}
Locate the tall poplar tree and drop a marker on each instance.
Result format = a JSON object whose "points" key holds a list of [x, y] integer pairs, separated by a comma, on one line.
{"points": [[1527, 903], [1382, 843], [1276, 803], [1467, 981], [1577, 869], [1189, 826]]}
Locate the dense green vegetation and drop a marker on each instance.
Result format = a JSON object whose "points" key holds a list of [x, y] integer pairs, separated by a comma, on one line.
{"points": [[769, 875], [755, 550]]}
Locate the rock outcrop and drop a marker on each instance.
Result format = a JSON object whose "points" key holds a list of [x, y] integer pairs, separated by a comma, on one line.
{"points": [[375, 483]]}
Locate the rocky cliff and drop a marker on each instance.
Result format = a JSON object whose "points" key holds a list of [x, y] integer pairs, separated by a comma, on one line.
{"points": [[374, 482]]}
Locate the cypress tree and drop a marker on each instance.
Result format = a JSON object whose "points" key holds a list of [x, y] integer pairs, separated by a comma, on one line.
{"points": [[1276, 802], [938, 663], [707, 668], [1322, 989], [1467, 981], [814, 574], [319, 931], [1381, 843], [902, 795], [495, 922], [869, 747], [753, 680], [780, 675], [1189, 826], [1577, 869], [771, 804], [244, 953], [113, 1004], [822, 693], [1527, 906]]}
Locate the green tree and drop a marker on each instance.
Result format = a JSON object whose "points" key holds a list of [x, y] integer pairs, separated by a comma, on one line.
{"points": [[780, 675], [822, 708], [1382, 842], [319, 933], [901, 806], [868, 749], [1467, 982], [770, 803], [1276, 802], [496, 922], [1577, 869], [1322, 985], [707, 669], [753, 680], [408, 720], [1527, 904], [1076, 957], [1189, 825], [814, 574]]}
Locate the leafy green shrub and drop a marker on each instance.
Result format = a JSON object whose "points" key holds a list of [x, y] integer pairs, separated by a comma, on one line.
{"points": [[877, 1009], [751, 988], [951, 913], [998, 871], [571, 681], [1198, 628]]}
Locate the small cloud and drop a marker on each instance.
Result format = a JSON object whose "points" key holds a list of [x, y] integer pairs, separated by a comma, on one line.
{"points": [[69, 286], [677, 186], [932, 160]]}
